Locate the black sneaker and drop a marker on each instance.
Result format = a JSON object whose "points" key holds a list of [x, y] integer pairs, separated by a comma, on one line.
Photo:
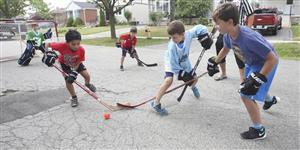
{"points": [[74, 102], [268, 105], [91, 87], [121, 68], [254, 134]]}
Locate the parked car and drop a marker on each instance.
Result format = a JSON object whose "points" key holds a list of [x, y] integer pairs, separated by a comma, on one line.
{"points": [[6, 32], [267, 19]]}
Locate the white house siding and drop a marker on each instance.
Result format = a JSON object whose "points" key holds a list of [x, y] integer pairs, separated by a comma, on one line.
{"points": [[140, 10], [140, 13], [73, 10]]}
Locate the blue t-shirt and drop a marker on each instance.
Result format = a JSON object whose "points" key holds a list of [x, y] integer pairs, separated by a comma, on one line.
{"points": [[253, 46], [176, 57]]}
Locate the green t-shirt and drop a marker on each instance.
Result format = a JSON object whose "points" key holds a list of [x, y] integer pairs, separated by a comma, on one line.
{"points": [[38, 37]]}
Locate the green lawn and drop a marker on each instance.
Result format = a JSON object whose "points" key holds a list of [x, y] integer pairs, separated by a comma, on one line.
{"points": [[288, 50], [88, 30], [160, 31], [296, 32], [111, 42]]}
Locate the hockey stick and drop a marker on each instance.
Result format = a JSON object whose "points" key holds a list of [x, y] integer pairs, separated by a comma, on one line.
{"points": [[110, 107], [169, 91], [148, 65], [214, 30], [135, 56]]}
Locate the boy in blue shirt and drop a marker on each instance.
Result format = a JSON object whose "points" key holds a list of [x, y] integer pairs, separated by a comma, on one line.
{"points": [[177, 61], [261, 63]]}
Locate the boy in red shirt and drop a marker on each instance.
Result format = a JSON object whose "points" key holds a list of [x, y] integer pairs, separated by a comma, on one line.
{"points": [[71, 57], [128, 43]]}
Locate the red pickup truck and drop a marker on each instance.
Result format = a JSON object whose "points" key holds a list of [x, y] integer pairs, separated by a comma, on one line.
{"points": [[267, 19]]}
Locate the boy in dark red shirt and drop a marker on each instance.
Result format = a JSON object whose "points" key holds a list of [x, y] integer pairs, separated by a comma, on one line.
{"points": [[71, 57], [128, 43]]}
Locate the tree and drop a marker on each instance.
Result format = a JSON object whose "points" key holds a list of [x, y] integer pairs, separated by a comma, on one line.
{"points": [[41, 9], [102, 17], [193, 9], [12, 8], [156, 17], [172, 9], [110, 7], [128, 15]]}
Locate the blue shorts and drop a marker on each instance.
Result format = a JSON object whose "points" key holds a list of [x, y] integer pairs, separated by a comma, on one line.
{"points": [[264, 88], [169, 74]]}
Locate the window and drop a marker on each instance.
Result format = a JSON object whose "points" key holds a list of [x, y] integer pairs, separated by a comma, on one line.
{"points": [[166, 6], [158, 6], [120, 12]]}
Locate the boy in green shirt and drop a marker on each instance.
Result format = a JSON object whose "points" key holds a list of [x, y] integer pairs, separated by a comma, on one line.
{"points": [[37, 38]]}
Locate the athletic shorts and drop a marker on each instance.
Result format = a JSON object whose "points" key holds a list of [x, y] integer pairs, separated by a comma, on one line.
{"points": [[219, 46], [124, 51], [264, 88], [169, 74], [68, 69]]}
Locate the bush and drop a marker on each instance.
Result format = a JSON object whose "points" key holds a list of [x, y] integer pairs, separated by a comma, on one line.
{"points": [[70, 22], [78, 22], [203, 21], [156, 17], [128, 15], [62, 30]]}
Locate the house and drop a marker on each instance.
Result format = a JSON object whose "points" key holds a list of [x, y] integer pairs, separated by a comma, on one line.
{"points": [[60, 16], [87, 12], [141, 9]]}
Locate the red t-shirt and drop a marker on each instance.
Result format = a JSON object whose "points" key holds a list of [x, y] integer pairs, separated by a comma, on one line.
{"points": [[67, 56], [128, 41]]}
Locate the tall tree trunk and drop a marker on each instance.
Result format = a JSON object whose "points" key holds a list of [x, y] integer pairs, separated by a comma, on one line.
{"points": [[112, 24], [6, 12], [102, 18], [172, 10]]}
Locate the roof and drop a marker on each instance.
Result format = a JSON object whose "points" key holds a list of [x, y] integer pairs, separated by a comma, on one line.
{"points": [[85, 4], [59, 10]]}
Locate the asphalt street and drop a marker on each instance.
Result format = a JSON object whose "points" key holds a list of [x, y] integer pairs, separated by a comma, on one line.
{"points": [[36, 113]]}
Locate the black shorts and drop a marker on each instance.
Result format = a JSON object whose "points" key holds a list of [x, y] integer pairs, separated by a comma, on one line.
{"points": [[219, 46], [68, 69], [124, 51], [239, 62]]}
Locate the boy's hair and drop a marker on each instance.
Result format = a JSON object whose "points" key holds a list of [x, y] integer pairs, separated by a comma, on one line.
{"points": [[176, 27], [72, 35], [225, 12], [133, 29]]}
